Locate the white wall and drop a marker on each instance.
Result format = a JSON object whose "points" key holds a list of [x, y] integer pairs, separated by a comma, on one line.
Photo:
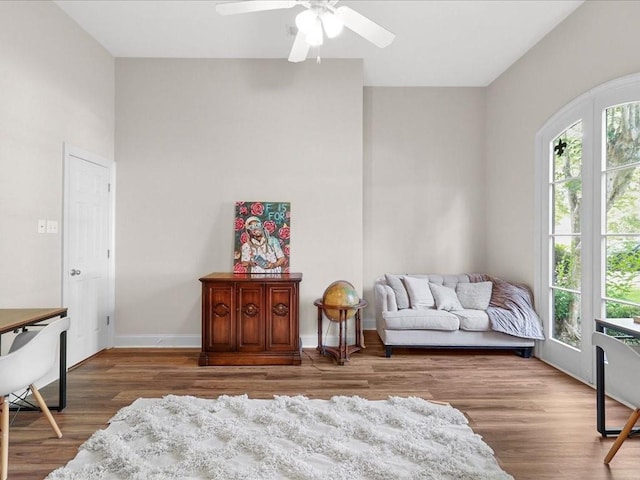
{"points": [[56, 85], [444, 183], [195, 136], [597, 43], [424, 182]]}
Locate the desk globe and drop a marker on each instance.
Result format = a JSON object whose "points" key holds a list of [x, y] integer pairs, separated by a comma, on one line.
{"points": [[340, 294]]}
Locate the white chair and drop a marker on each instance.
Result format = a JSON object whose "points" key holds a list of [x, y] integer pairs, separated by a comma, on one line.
{"points": [[32, 356], [623, 363]]}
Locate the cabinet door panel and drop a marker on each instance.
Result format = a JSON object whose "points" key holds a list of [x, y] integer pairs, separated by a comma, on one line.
{"points": [[282, 323], [220, 326], [251, 330]]}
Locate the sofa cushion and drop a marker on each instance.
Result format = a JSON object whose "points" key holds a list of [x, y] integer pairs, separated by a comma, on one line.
{"points": [[448, 280], [473, 320], [420, 296], [396, 284], [475, 296], [445, 297], [430, 319]]}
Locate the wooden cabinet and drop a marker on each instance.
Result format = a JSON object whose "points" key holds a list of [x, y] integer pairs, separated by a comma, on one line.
{"points": [[250, 319]]}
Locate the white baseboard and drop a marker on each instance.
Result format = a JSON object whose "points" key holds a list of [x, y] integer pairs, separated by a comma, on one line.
{"points": [[195, 341], [192, 341], [309, 341], [157, 341]]}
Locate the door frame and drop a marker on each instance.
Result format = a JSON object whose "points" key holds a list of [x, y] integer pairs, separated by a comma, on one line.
{"points": [[110, 165]]}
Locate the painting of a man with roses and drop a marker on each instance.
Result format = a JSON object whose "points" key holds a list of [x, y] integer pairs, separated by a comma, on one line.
{"points": [[262, 235]]}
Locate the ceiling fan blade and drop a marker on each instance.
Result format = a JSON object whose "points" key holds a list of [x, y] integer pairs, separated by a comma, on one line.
{"points": [[248, 6], [300, 49], [365, 27]]}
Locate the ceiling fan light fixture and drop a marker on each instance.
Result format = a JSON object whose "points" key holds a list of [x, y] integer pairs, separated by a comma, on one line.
{"points": [[306, 21], [314, 37], [319, 18], [332, 24]]}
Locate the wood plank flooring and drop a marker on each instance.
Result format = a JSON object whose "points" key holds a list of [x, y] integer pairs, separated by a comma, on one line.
{"points": [[539, 421]]}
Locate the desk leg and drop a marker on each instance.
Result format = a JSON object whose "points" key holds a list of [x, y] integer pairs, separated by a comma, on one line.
{"points": [[62, 387], [600, 413], [600, 409], [601, 421]]}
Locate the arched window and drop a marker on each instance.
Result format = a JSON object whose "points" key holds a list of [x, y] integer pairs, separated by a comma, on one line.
{"points": [[588, 173]]}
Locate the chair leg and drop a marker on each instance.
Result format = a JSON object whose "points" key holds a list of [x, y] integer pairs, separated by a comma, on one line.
{"points": [[4, 440], [45, 410], [624, 434]]}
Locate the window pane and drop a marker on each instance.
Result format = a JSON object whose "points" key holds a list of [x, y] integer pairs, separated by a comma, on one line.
{"points": [[623, 200], [566, 192], [567, 153], [566, 206], [623, 268], [566, 262], [623, 142], [621, 310], [566, 317]]}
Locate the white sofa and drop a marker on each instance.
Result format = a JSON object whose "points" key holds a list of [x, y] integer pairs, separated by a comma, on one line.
{"points": [[451, 311]]}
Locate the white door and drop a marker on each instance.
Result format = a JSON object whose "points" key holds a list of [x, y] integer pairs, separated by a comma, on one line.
{"points": [[589, 217], [86, 264]]}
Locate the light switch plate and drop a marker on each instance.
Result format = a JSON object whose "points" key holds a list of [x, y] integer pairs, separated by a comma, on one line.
{"points": [[52, 226], [42, 226]]}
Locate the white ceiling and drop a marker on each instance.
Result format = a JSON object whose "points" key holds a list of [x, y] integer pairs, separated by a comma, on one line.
{"points": [[438, 43]]}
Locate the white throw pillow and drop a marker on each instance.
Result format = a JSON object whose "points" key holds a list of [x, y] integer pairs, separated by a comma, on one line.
{"points": [[419, 292], [474, 296], [395, 282], [445, 297]]}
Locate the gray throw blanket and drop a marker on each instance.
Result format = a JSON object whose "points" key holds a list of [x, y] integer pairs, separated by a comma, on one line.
{"points": [[511, 308]]}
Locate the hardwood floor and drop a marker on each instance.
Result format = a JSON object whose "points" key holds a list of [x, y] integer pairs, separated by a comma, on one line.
{"points": [[539, 422]]}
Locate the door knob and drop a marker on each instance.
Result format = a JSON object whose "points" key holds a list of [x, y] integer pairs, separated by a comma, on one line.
{"points": [[74, 272]]}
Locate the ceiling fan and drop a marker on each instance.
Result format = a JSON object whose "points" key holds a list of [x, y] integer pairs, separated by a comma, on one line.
{"points": [[320, 17]]}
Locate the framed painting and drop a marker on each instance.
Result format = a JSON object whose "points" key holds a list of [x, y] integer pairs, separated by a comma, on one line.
{"points": [[262, 237]]}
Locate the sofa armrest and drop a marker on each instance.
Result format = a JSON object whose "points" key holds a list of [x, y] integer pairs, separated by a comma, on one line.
{"points": [[385, 299]]}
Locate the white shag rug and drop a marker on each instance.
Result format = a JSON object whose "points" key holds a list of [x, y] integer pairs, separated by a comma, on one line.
{"points": [[237, 438]]}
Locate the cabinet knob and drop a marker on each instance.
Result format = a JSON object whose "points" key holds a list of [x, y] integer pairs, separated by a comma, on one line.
{"points": [[251, 309], [281, 309]]}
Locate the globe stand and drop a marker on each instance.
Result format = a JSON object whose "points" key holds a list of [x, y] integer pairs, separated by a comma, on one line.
{"points": [[343, 351]]}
